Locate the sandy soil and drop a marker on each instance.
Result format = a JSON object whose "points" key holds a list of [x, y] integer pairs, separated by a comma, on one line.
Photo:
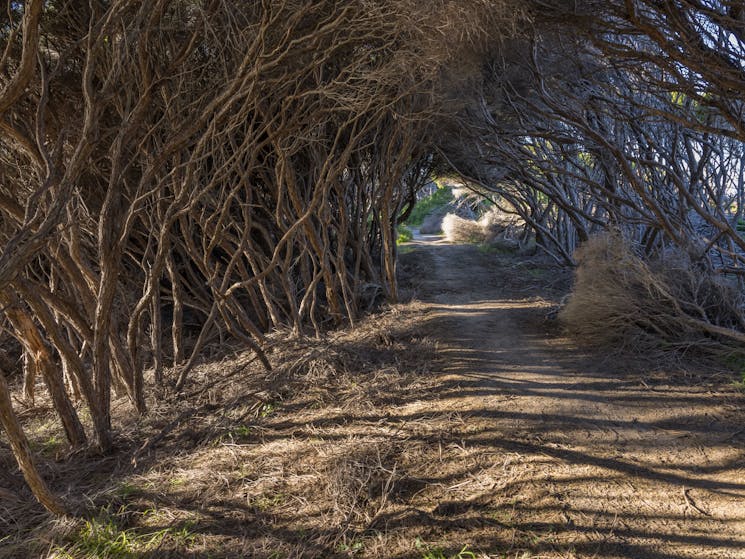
{"points": [[601, 456]]}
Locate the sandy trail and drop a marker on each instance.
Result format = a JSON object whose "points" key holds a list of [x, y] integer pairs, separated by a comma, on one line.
{"points": [[602, 457]]}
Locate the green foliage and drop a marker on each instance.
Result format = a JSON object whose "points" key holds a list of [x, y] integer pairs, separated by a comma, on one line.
{"points": [[269, 501], [50, 444], [439, 198], [125, 490], [737, 364], [355, 546], [267, 409], [404, 234], [678, 98], [437, 553], [102, 538], [242, 431]]}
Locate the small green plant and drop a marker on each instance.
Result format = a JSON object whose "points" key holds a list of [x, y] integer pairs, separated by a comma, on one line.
{"points": [[102, 538], [269, 501], [126, 490], [242, 431], [504, 517], [51, 444], [355, 546], [404, 234], [437, 553], [176, 482], [267, 409], [183, 536]]}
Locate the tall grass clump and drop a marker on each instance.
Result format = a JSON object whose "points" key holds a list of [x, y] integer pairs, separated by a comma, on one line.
{"points": [[404, 234], [461, 230], [494, 226], [669, 304]]}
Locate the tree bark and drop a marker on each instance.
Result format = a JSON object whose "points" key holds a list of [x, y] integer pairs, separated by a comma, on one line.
{"points": [[22, 453], [29, 335]]}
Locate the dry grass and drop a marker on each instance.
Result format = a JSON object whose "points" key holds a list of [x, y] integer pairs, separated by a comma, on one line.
{"points": [[493, 227], [358, 444], [460, 230], [293, 463], [337, 453], [623, 301]]}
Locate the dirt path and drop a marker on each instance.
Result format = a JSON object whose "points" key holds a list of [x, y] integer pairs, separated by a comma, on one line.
{"points": [[591, 456]]}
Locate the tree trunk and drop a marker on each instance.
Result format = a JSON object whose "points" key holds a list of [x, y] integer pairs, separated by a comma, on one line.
{"points": [[22, 453], [29, 335]]}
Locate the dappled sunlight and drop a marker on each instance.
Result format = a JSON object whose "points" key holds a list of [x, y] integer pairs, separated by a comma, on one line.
{"points": [[624, 452]]}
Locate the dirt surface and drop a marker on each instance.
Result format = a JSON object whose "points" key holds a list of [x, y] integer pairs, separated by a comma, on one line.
{"points": [[600, 456], [460, 424]]}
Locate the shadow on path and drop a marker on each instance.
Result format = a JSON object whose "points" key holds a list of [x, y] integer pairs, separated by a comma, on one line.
{"points": [[643, 461]]}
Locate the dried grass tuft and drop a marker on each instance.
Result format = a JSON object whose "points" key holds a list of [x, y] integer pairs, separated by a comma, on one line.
{"points": [[460, 230], [623, 301], [360, 483], [494, 226]]}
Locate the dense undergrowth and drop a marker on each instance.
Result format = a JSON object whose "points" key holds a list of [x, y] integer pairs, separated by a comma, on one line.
{"points": [[668, 305]]}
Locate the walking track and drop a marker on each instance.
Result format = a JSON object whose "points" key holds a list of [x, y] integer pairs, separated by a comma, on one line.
{"points": [[602, 456]]}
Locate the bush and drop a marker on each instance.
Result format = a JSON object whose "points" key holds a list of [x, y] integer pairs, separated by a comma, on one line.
{"points": [[622, 301], [404, 234], [459, 230], [494, 227]]}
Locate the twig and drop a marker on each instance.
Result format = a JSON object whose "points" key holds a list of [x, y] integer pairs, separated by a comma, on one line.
{"points": [[692, 504]]}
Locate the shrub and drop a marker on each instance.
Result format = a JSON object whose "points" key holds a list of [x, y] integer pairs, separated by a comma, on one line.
{"points": [[494, 226], [404, 234], [668, 304], [497, 223], [459, 230]]}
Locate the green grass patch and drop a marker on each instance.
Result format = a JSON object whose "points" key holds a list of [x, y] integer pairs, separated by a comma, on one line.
{"points": [[102, 538], [125, 490], [437, 553], [439, 198], [241, 432], [267, 409], [269, 501], [353, 547], [404, 234]]}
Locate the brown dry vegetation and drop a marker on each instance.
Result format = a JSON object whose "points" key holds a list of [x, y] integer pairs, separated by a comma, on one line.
{"points": [[252, 460], [494, 227], [669, 304], [181, 174]]}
